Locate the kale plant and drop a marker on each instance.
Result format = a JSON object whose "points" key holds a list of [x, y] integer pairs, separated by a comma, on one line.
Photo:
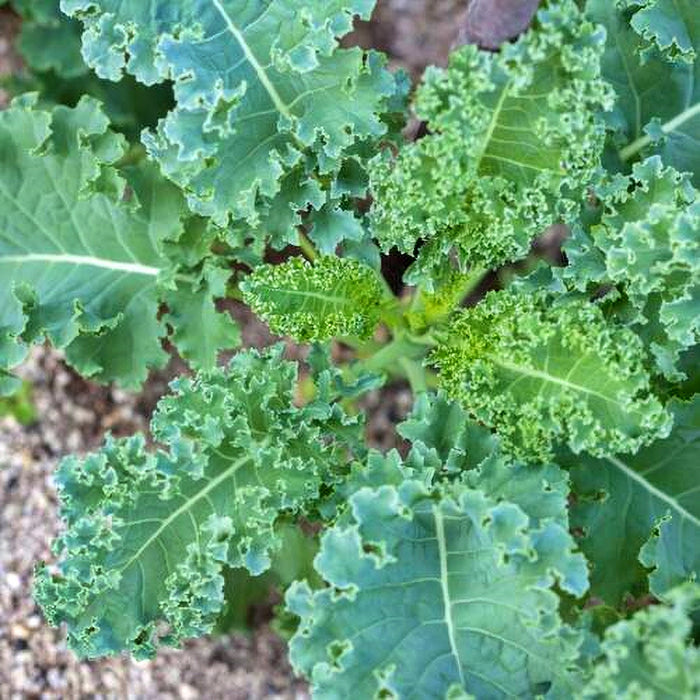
{"points": [[538, 532]]}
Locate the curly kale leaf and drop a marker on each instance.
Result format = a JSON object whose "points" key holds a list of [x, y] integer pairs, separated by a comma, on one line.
{"points": [[311, 302], [643, 502], [271, 115], [645, 245], [149, 532], [658, 102], [540, 370], [514, 140], [82, 266], [652, 655], [672, 27], [432, 591]]}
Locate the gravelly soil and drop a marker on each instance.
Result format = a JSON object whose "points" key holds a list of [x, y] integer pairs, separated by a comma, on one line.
{"points": [[34, 662], [73, 416]]}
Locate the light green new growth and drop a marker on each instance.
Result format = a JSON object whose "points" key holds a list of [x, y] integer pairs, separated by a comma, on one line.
{"points": [[270, 115], [514, 140], [541, 370], [148, 533], [316, 301], [651, 655]]}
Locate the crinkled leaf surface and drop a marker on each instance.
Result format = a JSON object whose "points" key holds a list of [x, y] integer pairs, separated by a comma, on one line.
{"points": [[316, 301], [80, 265], [269, 111], [651, 655], [541, 371], [429, 591], [645, 244], [621, 500], [514, 140], [148, 532], [658, 102]]}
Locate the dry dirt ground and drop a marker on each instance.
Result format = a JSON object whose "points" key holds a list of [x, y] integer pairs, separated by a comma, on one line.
{"points": [[72, 417]]}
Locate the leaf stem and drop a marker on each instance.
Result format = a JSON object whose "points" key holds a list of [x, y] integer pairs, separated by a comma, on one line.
{"points": [[307, 247], [631, 150]]}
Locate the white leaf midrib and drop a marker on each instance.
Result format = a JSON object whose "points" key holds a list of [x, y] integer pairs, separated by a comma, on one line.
{"points": [[80, 260]]}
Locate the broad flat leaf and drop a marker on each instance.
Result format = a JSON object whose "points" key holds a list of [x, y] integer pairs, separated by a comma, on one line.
{"points": [[80, 265], [310, 302], [671, 26], [658, 105], [514, 139], [622, 499], [433, 591], [651, 655], [269, 112], [539, 370], [48, 40], [645, 244], [148, 533]]}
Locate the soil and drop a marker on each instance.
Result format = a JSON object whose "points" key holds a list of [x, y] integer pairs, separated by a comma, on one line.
{"points": [[72, 417]]}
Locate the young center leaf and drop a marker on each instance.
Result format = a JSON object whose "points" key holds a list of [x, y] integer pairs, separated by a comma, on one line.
{"points": [[541, 370], [514, 139], [437, 591], [149, 532], [80, 264], [316, 301], [270, 113]]}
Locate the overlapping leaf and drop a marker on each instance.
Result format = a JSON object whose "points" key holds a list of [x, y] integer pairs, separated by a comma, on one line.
{"points": [[540, 371], [623, 501], [80, 265], [651, 655], [658, 101], [645, 244], [514, 141], [310, 302], [670, 26], [270, 113], [434, 591], [148, 533]]}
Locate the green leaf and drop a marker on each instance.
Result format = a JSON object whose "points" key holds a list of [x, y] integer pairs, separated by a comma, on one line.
{"points": [[645, 245], [442, 426], [514, 140], [431, 590], [48, 40], [199, 330], [270, 113], [671, 26], [622, 500], [148, 533], [539, 369], [81, 265], [657, 110], [310, 302], [651, 655]]}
